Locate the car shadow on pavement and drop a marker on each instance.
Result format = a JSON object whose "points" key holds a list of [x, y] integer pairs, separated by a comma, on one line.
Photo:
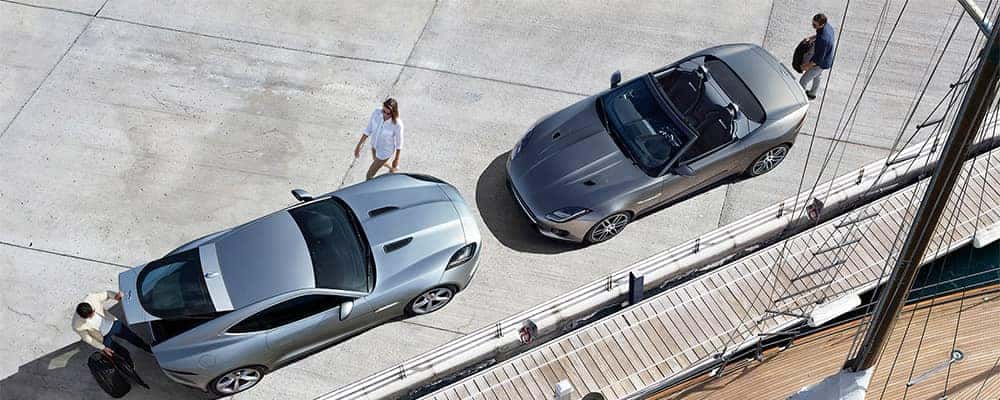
{"points": [[504, 217], [63, 374]]}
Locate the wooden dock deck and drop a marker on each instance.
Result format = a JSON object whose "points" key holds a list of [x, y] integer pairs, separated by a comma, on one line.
{"points": [[706, 318], [964, 321]]}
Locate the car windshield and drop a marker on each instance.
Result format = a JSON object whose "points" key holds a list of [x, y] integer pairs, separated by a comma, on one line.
{"points": [[174, 287], [340, 255], [644, 129]]}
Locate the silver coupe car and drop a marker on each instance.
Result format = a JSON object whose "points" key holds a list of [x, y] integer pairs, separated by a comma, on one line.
{"points": [[583, 173], [223, 310]]}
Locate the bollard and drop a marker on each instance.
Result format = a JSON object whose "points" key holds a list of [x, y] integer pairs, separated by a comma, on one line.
{"points": [[563, 390], [635, 288], [527, 332], [814, 209]]}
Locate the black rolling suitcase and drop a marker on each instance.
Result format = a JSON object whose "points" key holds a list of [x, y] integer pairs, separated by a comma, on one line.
{"points": [[114, 383], [114, 373], [803, 53]]}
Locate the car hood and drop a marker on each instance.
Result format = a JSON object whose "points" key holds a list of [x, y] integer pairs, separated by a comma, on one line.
{"points": [[571, 158], [408, 222]]}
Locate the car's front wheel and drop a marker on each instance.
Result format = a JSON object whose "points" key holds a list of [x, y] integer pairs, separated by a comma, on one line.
{"points": [[430, 301], [768, 161], [237, 380], [608, 227]]}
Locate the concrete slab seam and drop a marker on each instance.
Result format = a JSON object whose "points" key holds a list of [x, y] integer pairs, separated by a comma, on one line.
{"points": [[47, 7], [101, 8], [46, 78], [722, 210], [338, 56], [56, 253], [833, 138], [307, 51], [413, 49], [459, 333], [767, 28]]}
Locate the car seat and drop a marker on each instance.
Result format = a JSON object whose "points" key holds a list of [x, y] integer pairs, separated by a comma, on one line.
{"points": [[685, 88], [716, 129]]}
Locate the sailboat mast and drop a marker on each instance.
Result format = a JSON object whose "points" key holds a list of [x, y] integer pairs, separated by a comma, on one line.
{"points": [[976, 104]]}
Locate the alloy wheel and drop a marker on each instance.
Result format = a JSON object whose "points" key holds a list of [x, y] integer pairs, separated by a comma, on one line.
{"points": [[432, 300], [608, 228], [769, 160], [237, 380]]}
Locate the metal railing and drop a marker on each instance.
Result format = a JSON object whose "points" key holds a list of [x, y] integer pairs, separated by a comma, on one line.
{"points": [[721, 245]]}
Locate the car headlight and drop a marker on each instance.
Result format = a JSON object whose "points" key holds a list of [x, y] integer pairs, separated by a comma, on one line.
{"points": [[566, 213], [462, 256]]}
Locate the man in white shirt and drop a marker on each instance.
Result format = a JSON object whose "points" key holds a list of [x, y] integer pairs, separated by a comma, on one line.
{"points": [[96, 326]]}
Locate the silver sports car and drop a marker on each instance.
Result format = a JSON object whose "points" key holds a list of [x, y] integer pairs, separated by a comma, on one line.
{"points": [[225, 309], [583, 173]]}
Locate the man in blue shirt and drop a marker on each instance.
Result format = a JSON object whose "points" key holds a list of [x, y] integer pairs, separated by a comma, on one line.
{"points": [[822, 58]]}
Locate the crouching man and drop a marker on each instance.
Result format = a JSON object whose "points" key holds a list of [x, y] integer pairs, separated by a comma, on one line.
{"points": [[97, 327]]}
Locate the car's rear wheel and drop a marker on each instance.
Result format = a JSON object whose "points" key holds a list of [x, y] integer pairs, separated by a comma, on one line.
{"points": [[768, 161], [236, 381], [608, 227], [430, 301]]}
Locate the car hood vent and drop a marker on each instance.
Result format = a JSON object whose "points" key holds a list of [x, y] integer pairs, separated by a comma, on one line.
{"points": [[589, 182], [556, 135], [381, 210], [391, 247]]}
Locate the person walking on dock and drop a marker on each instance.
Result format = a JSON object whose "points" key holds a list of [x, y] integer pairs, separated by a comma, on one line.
{"points": [[822, 59]]}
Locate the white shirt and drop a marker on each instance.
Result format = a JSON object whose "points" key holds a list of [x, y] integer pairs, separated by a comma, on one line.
{"points": [[103, 323], [386, 136]]}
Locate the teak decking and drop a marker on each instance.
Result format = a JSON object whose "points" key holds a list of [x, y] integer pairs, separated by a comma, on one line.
{"points": [[814, 357]]}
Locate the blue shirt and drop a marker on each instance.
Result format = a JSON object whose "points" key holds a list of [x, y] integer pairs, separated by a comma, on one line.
{"points": [[823, 47]]}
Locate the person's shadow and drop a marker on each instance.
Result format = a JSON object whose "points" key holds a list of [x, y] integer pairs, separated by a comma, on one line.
{"points": [[63, 374], [504, 217]]}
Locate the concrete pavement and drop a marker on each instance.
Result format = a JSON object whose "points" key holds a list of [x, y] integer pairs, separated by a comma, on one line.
{"points": [[150, 123]]}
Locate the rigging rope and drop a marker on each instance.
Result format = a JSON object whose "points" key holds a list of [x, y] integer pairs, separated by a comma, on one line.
{"points": [[956, 201], [805, 167], [979, 212], [935, 135]]}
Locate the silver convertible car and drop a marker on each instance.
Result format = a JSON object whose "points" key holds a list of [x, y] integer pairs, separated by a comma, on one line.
{"points": [[223, 310], [583, 173]]}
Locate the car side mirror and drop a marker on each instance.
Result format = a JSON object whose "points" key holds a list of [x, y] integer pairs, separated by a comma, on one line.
{"points": [[683, 170], [345, 309], [616, 78], [301, 195]]}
